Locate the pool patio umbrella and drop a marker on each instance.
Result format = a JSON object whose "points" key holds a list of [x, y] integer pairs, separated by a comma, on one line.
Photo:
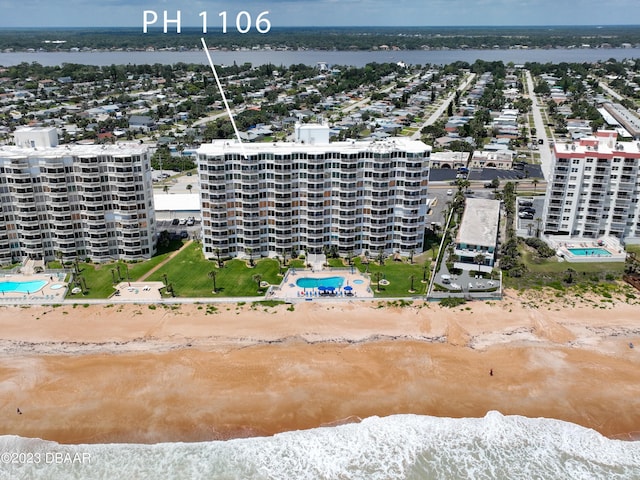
{"points": [[348, 288], [322, 288]]}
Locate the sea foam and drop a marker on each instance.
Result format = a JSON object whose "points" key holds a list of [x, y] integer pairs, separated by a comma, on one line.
{"points": [[395, 447]]}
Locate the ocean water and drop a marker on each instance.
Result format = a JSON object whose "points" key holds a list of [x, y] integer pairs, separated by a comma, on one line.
{"points": [[395, 447]]}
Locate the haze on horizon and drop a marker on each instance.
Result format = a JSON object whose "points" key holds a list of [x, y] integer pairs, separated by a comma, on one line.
{"points": [[292, 13]]}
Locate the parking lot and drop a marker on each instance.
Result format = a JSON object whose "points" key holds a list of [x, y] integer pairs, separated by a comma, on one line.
{"points": [[528, 225], [181, 227]]}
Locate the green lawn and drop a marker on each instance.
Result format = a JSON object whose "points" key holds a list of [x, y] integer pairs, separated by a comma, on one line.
{"points": [[97, 278], [552, 273], [398, 275], [188, 272], [633, 249]]}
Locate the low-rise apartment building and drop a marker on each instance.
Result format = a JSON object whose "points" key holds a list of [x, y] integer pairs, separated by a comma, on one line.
{"points": [[76, 201], [594, 189], [284, 198], [477, 239]]}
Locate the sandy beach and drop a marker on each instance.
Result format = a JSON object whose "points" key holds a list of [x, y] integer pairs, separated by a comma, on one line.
{"points": [[135, 373]]}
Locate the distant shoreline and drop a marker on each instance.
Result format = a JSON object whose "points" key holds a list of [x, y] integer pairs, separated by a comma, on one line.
{"points": [[312, 57]]}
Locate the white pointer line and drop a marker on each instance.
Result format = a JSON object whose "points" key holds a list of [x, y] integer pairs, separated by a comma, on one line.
{"points": [[224, 98]]}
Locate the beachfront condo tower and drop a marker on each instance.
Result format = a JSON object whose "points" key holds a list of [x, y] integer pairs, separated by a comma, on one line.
{"points": [[282, 198], [75, 201], [594, 189]]}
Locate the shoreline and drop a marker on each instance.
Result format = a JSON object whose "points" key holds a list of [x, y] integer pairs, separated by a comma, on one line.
{"points": [[131, 374]]}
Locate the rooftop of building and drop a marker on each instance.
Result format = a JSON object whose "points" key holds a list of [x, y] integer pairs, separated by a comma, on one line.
{"points": [[12, 151], [218, 147], [604, 142], [480, 221]]}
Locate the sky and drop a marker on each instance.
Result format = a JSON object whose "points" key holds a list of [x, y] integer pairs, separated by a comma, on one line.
{"points": [[286, 13]]}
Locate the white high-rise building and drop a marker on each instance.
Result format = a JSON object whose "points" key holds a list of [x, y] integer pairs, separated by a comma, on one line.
{"points": [[284, 198], [76, 201], [594, 189]]}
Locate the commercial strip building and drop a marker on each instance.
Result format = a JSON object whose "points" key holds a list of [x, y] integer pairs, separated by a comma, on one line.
{"points": [[478, 235], [287, 197], [75, 201], [627, 119], [594, 189]]}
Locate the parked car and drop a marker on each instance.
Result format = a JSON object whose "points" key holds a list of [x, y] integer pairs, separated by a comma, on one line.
{"points": [[190, 222], [449, 192], [525, 203], [526, 215], [183, 221], [530, 210], [488, 185], [184, 234], [175, 221]]}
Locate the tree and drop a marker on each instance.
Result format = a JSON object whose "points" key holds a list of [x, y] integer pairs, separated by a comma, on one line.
{"points": [[189, 187], [535, 182], [220, 264], [411, 253], [479, 259], [378, 277], [250, 253], [165, 189], [258, 279], [212, 275], [530, 228], [411, 278]]}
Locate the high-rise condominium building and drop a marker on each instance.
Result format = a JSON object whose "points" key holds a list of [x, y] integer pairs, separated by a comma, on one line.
{"points": [[594, 189], [283, 198], [76, 202]]}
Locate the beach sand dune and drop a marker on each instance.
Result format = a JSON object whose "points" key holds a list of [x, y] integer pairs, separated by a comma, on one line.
{"points": [[128, 373]]}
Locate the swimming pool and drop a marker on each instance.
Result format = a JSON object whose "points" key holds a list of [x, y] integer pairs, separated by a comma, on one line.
{"points": [[590, 252], [310, 282], [22, 287]]}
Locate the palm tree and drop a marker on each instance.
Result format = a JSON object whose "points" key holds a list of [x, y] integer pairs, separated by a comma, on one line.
{"points": [[538, 222], [165, 189], [250, 253], [258, 279], [411, 253], [189, 187], [530, 228], [535, 182], [479, 259], [218, 256], [378, 277], [411, 288], [212, 275]]}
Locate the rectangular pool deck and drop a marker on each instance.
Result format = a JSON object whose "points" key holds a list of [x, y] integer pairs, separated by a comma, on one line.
{"points": [[354, 285], [53, 290], [576, 250]]}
